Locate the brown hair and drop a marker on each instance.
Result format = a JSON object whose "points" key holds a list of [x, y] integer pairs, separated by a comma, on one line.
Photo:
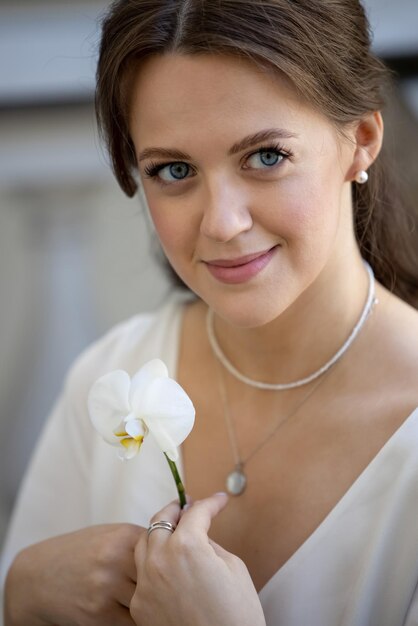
{"points": [[323, 46]]}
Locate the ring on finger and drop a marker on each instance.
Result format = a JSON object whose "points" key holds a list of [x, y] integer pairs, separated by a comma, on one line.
{"points": [[161, 524]]}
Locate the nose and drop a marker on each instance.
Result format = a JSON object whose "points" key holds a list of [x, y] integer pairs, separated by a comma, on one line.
{"points": [[226, 211]]}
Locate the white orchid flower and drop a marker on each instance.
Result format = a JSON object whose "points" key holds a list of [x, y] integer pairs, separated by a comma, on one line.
{"points": [[124, 411]]}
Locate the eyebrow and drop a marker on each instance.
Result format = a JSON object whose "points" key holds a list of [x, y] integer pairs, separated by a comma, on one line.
{"points": [[247, 142]]}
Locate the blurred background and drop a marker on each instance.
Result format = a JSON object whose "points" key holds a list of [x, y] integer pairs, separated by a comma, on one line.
{"points": [[76, 255]]}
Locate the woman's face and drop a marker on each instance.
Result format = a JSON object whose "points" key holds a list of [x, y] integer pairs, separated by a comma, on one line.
{"points": [[247, 185]]}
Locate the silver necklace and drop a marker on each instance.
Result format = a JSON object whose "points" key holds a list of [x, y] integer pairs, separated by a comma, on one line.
{"points": [[368, 307], [236, 481]]}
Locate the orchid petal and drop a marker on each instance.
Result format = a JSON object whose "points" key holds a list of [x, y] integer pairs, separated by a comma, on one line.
{"points": [[120, 431], [169, 414], [166, 445], [141, 382], [135, 429], [108, 403], [129, 448]]}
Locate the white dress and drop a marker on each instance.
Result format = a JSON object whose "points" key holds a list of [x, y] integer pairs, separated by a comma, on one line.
{"points": [[358, 568]]}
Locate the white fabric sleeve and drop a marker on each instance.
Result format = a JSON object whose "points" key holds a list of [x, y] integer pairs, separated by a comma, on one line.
{"points": [[62, 488], [54, 495]]}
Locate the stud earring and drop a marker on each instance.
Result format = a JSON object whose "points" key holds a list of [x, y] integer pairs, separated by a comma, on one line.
{"points": [[362, 177]]}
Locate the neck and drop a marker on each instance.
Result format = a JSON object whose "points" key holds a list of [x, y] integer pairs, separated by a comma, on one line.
{"points": [[307, 334]]}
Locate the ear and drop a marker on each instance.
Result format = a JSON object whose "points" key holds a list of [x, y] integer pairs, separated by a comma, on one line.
{"points": [[368, 139]]}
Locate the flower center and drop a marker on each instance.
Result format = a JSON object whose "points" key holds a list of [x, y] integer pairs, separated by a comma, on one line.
{"points": [[126, 441]]}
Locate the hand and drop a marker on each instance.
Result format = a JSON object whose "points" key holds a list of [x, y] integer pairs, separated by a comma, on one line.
{"points": [[84, 578], [185, 579]]}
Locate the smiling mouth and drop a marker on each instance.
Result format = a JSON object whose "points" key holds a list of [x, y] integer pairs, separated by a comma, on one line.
{"points": [[241, 269], [239, 261]]}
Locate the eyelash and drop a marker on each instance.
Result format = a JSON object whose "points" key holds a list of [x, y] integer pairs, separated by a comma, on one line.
{"points": [[152, 169]]}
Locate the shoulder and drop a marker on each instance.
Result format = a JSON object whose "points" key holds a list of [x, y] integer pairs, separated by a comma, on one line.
{"points": [[130, 344]]}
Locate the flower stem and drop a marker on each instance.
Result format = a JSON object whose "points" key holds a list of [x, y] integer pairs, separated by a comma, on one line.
{"points": [[177, 479]]}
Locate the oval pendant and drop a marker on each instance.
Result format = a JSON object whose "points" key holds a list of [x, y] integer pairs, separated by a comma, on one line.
{"points": [[236, 482]]}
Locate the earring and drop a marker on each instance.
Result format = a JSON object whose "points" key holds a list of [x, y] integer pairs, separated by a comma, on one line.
{"points": [[362, 177]]}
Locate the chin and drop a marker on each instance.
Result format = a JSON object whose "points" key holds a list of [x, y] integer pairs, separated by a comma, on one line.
{"points": [[248, 310], [252, 304]]}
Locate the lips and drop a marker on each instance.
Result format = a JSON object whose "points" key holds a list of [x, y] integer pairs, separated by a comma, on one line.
{"points": [[240, 269], [237, 261]]}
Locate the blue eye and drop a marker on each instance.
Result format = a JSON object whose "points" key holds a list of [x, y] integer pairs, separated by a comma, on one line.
{"points": [[168, 173], [177, 170], [265, 158]]}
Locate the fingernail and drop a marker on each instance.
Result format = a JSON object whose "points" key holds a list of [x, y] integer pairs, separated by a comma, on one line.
{"points": [[186, 507], [221, 493]]}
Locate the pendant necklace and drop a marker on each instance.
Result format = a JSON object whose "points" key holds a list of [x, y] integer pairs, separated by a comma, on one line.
{"points": [[237, 480]]}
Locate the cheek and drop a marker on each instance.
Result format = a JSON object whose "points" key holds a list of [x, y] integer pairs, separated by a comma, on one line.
{"points": [[305, 213], [302, 209], [162, 223], [175, 235]]}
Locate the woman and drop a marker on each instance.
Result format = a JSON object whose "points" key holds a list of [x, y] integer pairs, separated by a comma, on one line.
{"points": [[252, 128]]}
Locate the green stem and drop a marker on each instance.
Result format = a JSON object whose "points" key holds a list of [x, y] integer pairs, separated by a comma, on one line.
{"points": [[177, 479]]}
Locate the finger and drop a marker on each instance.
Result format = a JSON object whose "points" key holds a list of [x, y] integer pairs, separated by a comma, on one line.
{"points": [[129, 566], [199, 516], [170, 513]]}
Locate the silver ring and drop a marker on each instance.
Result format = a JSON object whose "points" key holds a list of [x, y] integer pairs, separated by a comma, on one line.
{"points": [[161, 524]]}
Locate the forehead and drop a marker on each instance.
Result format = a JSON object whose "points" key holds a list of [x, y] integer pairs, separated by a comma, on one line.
{"points": [[180, 96]]}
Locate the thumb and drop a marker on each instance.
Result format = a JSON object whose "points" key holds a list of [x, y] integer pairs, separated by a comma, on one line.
{"points": [[198, 516]]}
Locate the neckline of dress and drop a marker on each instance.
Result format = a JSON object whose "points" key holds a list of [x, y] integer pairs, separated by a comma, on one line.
{"points": [[353, 488]]}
